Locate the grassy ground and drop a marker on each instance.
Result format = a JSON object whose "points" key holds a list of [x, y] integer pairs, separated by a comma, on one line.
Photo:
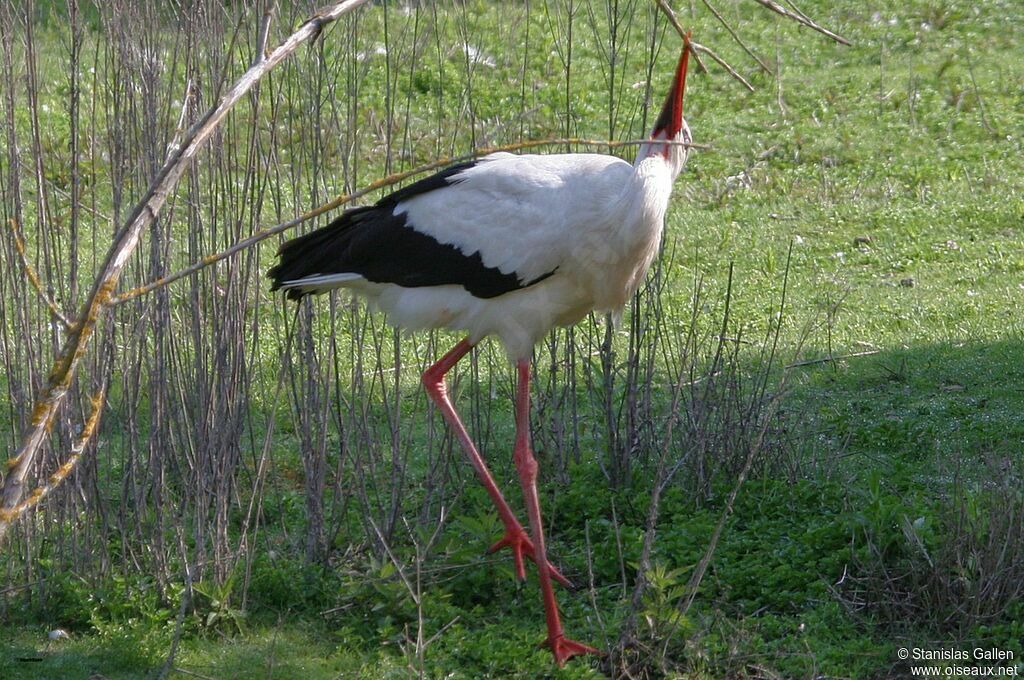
{"points": [[894, 169]]}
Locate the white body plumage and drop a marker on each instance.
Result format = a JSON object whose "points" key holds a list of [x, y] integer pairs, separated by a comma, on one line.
{"points": [[593, 222]]}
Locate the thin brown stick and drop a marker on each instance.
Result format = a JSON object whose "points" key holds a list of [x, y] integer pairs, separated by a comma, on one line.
{"points": [[697, 48], [345, 199], [828, 359], [77, 342], [736, 37], [705, 561], [186, 604], [769, 413], [977, 92], [22, 586], [261, 42], [191, 674], [58, 477], [674, 20], [33, 275], [801, 19]]}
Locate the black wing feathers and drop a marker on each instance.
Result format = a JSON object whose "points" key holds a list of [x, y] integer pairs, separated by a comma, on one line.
{"points": [[384, 248], [438, 180]]}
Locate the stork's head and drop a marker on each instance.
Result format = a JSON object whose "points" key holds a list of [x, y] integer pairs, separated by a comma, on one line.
{"points": [[671, 126]]}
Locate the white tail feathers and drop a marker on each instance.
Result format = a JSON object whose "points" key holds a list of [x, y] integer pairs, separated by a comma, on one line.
{"points": [[321, 282]]}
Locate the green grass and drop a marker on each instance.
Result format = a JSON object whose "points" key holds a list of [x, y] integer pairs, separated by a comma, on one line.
{"points": [[896, 173]]}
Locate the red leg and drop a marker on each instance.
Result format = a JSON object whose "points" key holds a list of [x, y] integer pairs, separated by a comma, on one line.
{"points": [[515, 537], [562, 647]]}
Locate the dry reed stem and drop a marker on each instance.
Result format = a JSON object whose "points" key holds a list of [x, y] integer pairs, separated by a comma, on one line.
{"points": [[830, 358], [773, 406], [801, 19], [736, 37], [145, 213], [33, 275], [345, 199], [62, 473], [697, 48]]}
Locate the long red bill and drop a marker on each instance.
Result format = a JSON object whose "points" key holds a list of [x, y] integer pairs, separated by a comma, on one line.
{"points": [[670, 121]]}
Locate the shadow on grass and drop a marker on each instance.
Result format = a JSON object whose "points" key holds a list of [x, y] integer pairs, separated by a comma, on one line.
{"points": [[889, 515], [938, 409], [71, 660]]}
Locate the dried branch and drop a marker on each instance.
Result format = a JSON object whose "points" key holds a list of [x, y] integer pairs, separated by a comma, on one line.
{"points": [[697, 48], [802, 19], [345, 199], [179, 130], [125, 242], [261, 42], [33, 276], [832, 359], [736, 36], [58, 477], [769, 412]]}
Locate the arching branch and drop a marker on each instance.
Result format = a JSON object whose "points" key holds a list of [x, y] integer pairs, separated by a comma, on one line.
{"points": [[127, 239]]}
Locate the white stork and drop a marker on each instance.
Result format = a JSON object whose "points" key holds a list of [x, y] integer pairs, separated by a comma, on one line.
{"points": [[509, 246]]}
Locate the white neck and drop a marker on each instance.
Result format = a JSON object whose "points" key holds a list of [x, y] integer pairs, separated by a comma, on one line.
{"points": [[672, 155]]}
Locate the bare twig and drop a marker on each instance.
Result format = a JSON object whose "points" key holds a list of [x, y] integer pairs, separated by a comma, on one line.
{"points": [[977, 92], [191, 674], [261, 42], [183, 608], [736, 36], [22, 586], [33, 276], [828, 359], [770, 410], [663, 476], [77, 342], [413, 592], [345, 199], [440, 632], [801, 18], [697, 48], [179, 130], [55, 480]]}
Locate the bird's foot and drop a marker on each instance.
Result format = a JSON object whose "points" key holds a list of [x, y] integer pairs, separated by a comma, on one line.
{"points": [[520, 543], [564, 649]]}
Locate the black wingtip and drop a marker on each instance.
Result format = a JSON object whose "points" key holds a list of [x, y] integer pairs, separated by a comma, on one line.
{"points": [[301, 256], [374, 242], [276, 276]]}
